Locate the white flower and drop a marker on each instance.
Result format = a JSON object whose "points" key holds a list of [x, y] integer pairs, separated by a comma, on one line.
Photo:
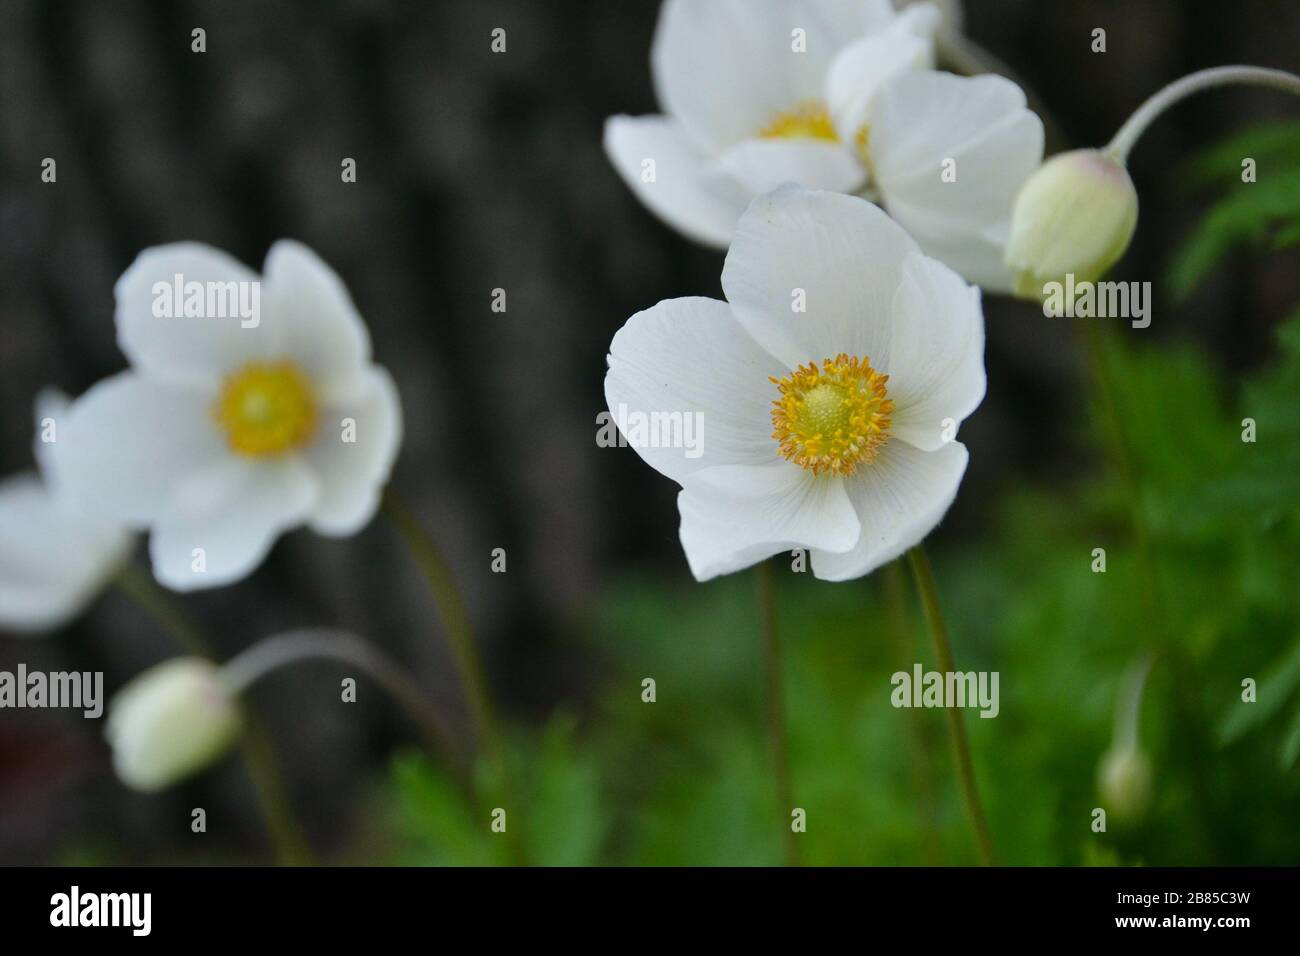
{"points": [[850, 104], [170, 722], [226, 433], [829, 429], [54, 560]]}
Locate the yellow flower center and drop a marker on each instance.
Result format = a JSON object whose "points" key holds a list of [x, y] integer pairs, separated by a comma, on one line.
{"points": [[266, 408], [832, 418], [811, 120]]}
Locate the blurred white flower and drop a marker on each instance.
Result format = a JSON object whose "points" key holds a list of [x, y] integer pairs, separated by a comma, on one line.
{"points": [[829, 388], [169, 722], [54, 560], [226, 433], [830, 94]]}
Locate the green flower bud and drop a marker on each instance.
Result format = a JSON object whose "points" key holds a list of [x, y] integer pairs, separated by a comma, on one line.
{"points": [[170, 722], [1124, 779], [1075, 215]]}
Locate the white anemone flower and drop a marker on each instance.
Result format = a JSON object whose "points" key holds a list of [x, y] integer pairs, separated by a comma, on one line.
{"points": [[228, 431], [824, 395], [54, 560], [838, 95]]}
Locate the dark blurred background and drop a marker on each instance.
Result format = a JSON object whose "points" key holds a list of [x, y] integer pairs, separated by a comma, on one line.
{"points": [[475, 171]]}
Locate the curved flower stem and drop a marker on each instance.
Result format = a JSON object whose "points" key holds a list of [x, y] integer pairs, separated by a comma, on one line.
{"points": [[929, 595], [290, 844], [1136, 125], [460, 635], [1128, 708], [773, 705], [251, 665]]}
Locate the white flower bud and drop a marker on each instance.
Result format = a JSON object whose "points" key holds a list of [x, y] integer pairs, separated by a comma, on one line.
{"points": [[1124, 779], [1075, 215], [169, 722]]}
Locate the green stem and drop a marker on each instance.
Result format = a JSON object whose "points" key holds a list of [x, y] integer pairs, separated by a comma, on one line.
{"points": [[1128, 705], [290, 844], [141, 588], [921, 751], [929, 595], [460, 636], [773, 706]]}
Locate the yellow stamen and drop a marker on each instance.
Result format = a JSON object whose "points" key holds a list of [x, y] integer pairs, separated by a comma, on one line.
{"points": [[862, 143], [266, 408], [832, 418], [809, 120]]}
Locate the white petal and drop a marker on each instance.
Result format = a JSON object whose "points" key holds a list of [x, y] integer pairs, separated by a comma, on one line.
{"points": [[864, 66], [688, 192], [52, 562], [726, 68], [352, 473], [737, 515], [233, 513], [125, 445], [921, 120], [899, 498], [323, 333], [761, 165], [936, 360], [183, 349], [691, 362], [838, 256]]}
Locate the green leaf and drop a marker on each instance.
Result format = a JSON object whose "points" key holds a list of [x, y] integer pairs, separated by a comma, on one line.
{"points": [[1253, 216], [1274, 691], [565, 821], [435, 822], [1291, 742]]}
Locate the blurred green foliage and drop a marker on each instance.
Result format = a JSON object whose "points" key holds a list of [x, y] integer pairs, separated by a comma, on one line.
{"points": [[1258, 215], [1201, 531]]}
